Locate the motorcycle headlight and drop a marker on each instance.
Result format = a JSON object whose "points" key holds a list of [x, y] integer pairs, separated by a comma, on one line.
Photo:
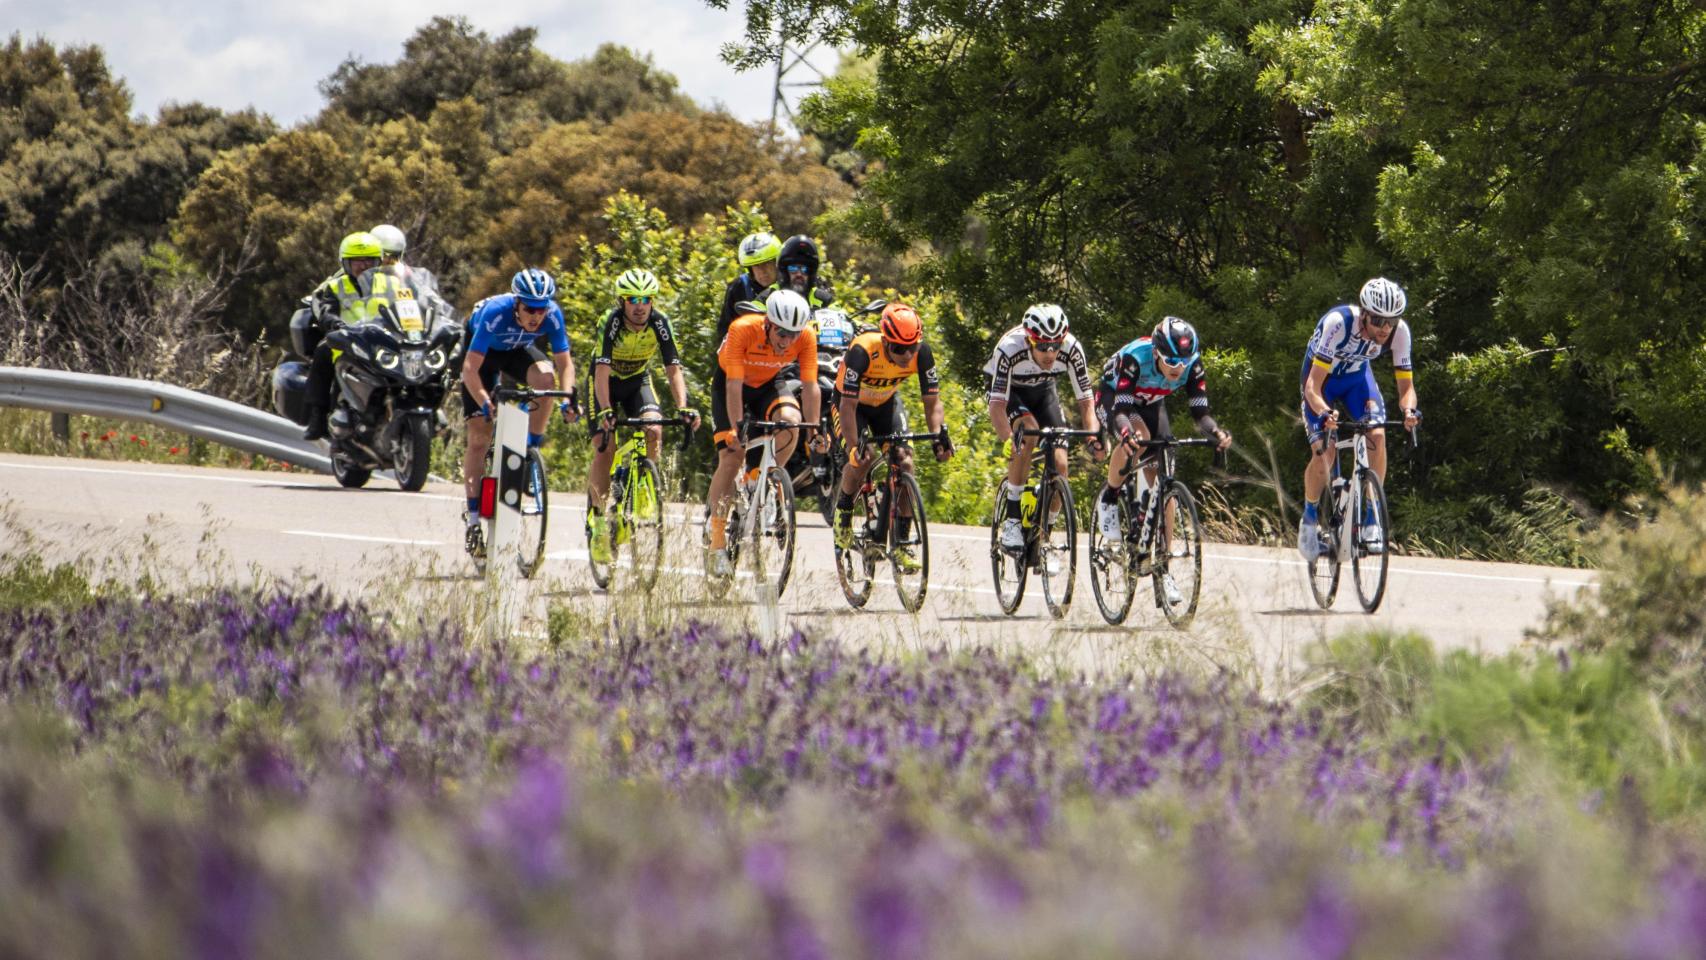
{"points": [[414, 364], [436, 360], [385, 358]]}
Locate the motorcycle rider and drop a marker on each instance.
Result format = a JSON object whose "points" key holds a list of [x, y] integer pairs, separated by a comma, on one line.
{"points": [[504, 328], [393, 245], [797, 266], [340, 300]]}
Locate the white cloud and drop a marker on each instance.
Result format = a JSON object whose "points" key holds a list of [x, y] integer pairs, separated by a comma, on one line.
{"points": [[272, 55]]}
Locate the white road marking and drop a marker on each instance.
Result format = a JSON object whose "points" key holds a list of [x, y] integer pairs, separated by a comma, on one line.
{"points": [[361, 539]]}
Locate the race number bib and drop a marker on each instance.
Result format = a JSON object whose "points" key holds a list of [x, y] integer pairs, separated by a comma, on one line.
{"points": [[409, 316]]}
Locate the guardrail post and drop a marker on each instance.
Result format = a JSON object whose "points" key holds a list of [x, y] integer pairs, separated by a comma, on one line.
{"points": [[61, 427]]}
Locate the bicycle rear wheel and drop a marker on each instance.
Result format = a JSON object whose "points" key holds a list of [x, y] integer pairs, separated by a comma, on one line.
{"points": [[1368, 568], [1177, 553], [535, 510], [909, 556], [854, 565], [1057, 544], [772, 544], [1010, 570], [1113, 564], [641, 523]]}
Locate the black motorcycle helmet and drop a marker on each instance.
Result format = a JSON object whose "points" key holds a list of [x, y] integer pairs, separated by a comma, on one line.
{"points": [[798, 249]]}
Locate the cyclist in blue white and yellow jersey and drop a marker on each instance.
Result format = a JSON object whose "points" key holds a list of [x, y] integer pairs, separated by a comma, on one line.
{"points": [[634, 334], [504, 329], [1337, 369]]}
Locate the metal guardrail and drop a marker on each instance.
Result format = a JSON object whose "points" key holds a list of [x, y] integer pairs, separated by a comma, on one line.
{"points": [[175, 408]]}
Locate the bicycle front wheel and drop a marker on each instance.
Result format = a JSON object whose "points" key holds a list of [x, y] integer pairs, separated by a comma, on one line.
{"points": [[1177, 556], [854, 565], [1009, 568], [1057, 544], [772, 544], [641, 523], [1113, 564], [909, 553], [535, 509], [1368, 557]]}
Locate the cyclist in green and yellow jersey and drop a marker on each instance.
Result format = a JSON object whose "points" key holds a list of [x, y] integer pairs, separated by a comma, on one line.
{"points": [[633, 334]]}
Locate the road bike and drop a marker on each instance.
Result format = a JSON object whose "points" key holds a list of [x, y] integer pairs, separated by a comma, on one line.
{"points": [[529, 487], [878, 507], [760, 518], [1161, 538], [1051, 533], [635, 514], [1349, 510]]}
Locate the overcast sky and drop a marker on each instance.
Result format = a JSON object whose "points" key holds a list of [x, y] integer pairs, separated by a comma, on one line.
{"points": [[273, 54]]}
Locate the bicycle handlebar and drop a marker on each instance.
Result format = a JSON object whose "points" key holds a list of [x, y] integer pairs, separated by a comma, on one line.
{"points": [[908, 437], [776, 424], [1058, 432], [677, 421], [1364, 426], [502, 394]]}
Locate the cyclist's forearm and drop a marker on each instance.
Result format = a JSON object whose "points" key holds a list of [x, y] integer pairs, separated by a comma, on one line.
{"points": [[813, 398], [1407, 396], [1207, 426], [678, 386], [471, 378], [733, 401], [850, 421], [934, 414], [998, 419], [1087, 414], [601, 386], [565, 369]]}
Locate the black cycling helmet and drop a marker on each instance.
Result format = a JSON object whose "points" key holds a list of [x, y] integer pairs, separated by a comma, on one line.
{"points": [[1176, 340], [798, 249]]}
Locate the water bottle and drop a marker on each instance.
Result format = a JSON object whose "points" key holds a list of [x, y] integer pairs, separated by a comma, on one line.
{"points": [[1028, 507], [1143, 516]]}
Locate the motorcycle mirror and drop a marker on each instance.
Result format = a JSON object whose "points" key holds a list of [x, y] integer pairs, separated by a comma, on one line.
{"points": [[875, 306]]}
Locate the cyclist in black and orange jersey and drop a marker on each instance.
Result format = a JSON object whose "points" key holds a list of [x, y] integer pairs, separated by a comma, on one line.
{"points": [[876, 365], [747, 385]]}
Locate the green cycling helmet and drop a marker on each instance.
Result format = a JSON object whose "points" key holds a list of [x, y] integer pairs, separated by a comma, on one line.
{"points": [[637, 283], [361, 245], [759, 248]]}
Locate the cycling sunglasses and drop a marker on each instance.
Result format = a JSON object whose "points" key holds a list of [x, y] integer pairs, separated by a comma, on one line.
{"points": [[530, 310], [1376, 320], [1047, 346], [903, 350], [796, 268], [638, 299]]}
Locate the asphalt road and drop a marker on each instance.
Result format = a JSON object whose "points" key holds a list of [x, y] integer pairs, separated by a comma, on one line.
{"points": [[211, 525]]}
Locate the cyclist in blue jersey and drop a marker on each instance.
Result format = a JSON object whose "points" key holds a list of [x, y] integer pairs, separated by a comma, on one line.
{"points": [[1337, 369], [1132, 396], [502, 340]]}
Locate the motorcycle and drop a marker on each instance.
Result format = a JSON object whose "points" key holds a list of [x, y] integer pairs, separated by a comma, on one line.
{"points": [[818, 474], [391, 377]]}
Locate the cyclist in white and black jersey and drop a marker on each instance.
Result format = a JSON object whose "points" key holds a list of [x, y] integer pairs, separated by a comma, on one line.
{"points": [[1337, 368], [1028, 360]]}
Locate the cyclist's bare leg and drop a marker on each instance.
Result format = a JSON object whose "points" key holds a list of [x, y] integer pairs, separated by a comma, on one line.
{"points": [[654, 435], [854, 474], [1315, 475], [598, 475], [1377, 452], [1019, 463], [903, 464], [540, 377], [474, 457], [786, 439], [730, 459]]}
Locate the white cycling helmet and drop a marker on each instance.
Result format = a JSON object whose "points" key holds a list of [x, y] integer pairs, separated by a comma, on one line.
{"points": [[1045, 321], [788, 310], [1383, 298], [390, 240]]}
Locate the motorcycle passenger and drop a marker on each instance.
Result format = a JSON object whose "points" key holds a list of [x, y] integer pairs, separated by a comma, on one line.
{"points": [[1338, 367], [633, 334], [1022, 374], [1132, 398], [757, 258], [875, 366], [340, 300], [393, 245], [505, 328], [747, 385]]}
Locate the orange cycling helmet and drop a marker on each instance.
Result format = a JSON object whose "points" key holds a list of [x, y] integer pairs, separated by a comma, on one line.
{"points": [[900, 324]]}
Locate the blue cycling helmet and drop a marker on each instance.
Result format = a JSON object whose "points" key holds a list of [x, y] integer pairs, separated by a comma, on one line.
{"points": [[534, 287]]}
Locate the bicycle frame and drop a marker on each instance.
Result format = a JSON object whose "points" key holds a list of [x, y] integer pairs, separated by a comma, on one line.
{"points": [[1166, 466], [1051, 438], [891, 464], [1348, 505]]}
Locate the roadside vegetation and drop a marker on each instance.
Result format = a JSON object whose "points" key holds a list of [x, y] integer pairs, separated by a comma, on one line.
{"points": [[268, 770]]}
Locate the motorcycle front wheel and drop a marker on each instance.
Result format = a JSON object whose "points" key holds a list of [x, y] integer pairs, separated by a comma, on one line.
{"points": [[412, 454]]}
